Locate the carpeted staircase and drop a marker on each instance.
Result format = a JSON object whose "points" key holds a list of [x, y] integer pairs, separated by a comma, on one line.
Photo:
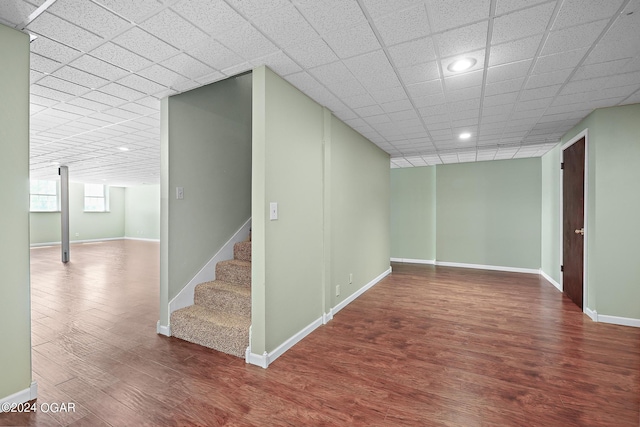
{"points": [[221, 314]]}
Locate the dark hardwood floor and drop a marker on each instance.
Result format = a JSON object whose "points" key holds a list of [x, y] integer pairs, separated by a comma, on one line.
{"points": [[426, 346]]}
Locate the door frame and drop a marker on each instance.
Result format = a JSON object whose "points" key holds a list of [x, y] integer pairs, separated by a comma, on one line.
{"points": [[585, 282]]}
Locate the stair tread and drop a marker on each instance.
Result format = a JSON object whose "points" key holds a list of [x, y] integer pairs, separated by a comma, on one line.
{"points": [[238, 262], [211, 316], [237, 288]]}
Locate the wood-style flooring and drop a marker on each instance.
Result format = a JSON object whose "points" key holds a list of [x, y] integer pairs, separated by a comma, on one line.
{"points": [[427, 346]]}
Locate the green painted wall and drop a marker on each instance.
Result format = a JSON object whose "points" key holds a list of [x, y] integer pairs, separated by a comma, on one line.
{"points": [[142, 212], [207, 152], [613, 271], [413, 213], [360, 211], [551, 229], [288, 252], [45, 226], [15, 306], [489, 213]]}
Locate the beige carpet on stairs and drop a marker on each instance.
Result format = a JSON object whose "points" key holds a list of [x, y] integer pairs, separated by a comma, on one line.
{"points": [[221, 315]]}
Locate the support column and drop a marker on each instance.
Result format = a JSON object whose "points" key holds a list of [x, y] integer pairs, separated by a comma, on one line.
{"points": [[63, 171]]}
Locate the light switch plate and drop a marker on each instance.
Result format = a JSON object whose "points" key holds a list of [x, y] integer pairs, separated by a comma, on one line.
{"points": [[273, 211], [179, 193]]}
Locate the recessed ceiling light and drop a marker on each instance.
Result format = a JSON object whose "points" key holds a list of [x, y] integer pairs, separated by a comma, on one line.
{"points": [[465, 135], [123, 149], [461, 65]]}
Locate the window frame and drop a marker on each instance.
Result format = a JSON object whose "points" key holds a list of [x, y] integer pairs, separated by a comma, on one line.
{"points": [[104, 197], [56, 195]]}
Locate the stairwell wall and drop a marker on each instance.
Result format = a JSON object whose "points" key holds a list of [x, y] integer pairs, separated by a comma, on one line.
{"points": [[332, 189], [205, 150]]}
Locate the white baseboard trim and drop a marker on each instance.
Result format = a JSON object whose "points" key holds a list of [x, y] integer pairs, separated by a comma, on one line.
{"points": [[359, 292], [414, 261], [141, 239], [265, 359], [327, 317], [163, 330], [22, 396], [591, 313], [624, 321], [106, 239], [489, 267], [208, 272], [550, 280]]}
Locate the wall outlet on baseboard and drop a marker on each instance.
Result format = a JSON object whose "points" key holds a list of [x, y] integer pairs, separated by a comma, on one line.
{"points": [[350, 278], [337, 290]]}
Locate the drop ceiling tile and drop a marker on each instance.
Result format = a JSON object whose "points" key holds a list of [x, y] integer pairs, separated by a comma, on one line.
{"points": [[372, 110], [389, 95], [425, 89], [131, 11], [80, 77], [15, 12], [278, 62], [332, 73], [331, 15], [606, 52], [46, 92], [461, 40], [42, 64], [419, 73], [465, 94], [403, 25], [141, 84], [507, 86], [115, 56], [414, 52], [405, 115], [42, 100], [352, 41], [378, 8], [373, 70], [71, 35], [347, 88], [173, 29], [363, 100], [237, 69], [53, 50], [575, 12], [599, 70], [161, 75], [502, 110], [523, 23], [542, 92], [623, 80], [573, 38], [457, 115], [187, 66], [447, 14], [464, 80], [514, 51], [144, 44], [89, 16], [104, 98], [138, 109], [63, 85], [312, 53], [88, 104], [213, 16], [247, 42], [531, 116], [123, 92], [285, 26], [214, 54], [428, 101], [626, 27], [508, 71], [584, 85], [558, 61], [534, 104], [548, 79]]}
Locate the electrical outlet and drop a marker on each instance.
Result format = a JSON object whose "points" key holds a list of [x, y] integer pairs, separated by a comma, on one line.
{"points": [[337, 290], [350, 278]]}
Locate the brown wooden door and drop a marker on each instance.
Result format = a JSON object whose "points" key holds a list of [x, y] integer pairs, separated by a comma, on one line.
{"points": [[573, 221]]}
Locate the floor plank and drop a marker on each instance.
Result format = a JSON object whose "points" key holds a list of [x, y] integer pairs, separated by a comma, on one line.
{"points": [[426, 346]]}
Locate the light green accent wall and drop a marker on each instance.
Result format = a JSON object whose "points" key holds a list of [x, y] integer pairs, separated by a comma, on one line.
{"points": [[489, 213], [208, 153], [293, 244], [45, 226], [142, 212], [413, 213], [551, 229], [613, 271], [360, 211], [332, 190], [15, 305]]}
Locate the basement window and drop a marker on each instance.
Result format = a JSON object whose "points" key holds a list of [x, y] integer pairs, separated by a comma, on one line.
{"points": [[96, 198], [44, 196]]}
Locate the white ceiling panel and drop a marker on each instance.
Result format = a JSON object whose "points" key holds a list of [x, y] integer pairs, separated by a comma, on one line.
{"points": [[111, 61], [523, 23]]}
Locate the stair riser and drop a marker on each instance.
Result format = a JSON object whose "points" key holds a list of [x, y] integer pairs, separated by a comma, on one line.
{"points": [[223, 301], [230, 341], [242, 251], [233, 273]]}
